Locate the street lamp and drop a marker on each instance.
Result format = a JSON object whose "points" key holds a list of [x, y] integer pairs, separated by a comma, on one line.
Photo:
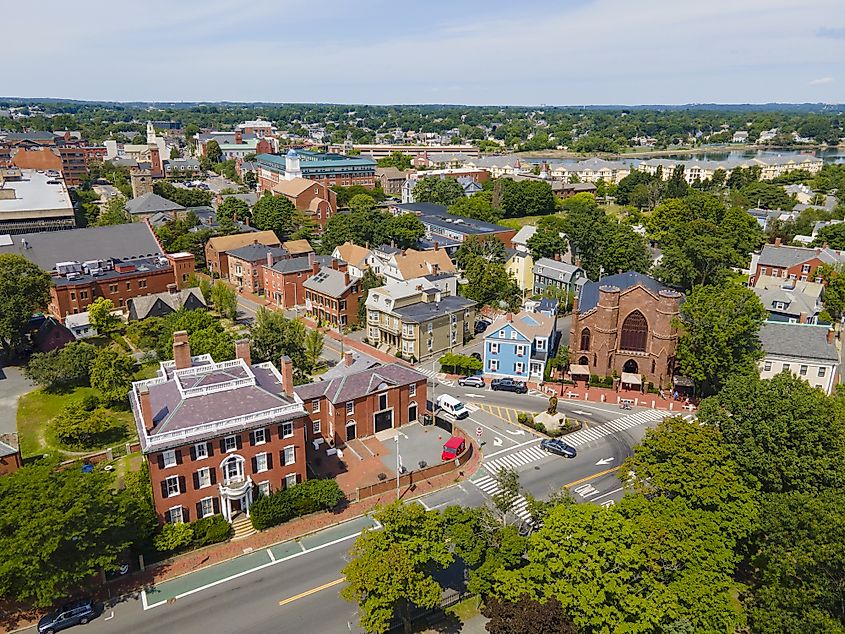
{"points": [[398, 465]]}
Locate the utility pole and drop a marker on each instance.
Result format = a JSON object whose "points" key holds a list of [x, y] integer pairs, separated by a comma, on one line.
{"points": [[398, 464]]}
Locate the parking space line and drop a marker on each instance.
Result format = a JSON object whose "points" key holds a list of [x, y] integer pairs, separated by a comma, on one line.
{"points": [[271, 555], [604, 495], [495, 431]]}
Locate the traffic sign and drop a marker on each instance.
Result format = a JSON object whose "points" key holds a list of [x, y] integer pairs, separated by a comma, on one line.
{"points": [[478, 431]]}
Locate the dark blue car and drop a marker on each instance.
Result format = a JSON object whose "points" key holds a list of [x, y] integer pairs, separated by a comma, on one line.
{"points": [[76, 613]]}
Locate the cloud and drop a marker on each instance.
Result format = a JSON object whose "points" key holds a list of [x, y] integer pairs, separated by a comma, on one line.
{"points": [[821, 81], [832, 33]]}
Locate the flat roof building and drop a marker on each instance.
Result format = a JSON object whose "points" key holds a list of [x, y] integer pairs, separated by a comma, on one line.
{"points": [[33, 200]]}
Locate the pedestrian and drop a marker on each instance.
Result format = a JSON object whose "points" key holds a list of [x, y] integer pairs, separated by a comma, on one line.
{"points": [[676, 395]]}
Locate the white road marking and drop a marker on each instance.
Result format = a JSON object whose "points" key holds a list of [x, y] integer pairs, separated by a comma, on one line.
{"points": [[271, 555], [489, 486], [604, 495], [110, 616], [605, 461], [516, 432], [497, 442], [495, 431], [514, 460], [501, 451], [597, 432]]}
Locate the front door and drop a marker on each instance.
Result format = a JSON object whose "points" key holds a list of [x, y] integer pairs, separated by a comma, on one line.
{"points": [[351, 428], [237, 507], [384, 420]]}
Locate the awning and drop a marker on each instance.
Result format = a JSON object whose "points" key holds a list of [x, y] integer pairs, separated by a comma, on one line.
{"points": [[629, 378], [682, 381], [579, 369]]}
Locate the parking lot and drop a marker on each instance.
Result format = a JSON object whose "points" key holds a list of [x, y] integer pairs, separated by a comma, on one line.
{"points": [[419, 446]]}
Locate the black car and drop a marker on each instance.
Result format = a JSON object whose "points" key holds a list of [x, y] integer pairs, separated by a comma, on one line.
{"points": [[556, 445], [481, 326], [76, 613], [509, 385]]}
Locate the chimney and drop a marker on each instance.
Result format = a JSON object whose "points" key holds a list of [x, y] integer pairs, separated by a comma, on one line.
{"points": [[335, 264], [347, 358], [557, 257], [509, 317], [575, 304], [831, 333], [146, 408], [778, 242], [802, 318], [346, 278], [242, 351], [239, 136], [315, 268], [172, 289], [286, 366], [269, 259], [436, 246], [578, 261], [181, 350]]}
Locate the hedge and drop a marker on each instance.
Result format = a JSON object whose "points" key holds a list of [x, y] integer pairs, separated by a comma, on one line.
{"points": [[280, 506]]}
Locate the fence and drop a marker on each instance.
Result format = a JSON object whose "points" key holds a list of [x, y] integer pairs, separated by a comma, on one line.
{"points": [[449, 598], [106, 455]]}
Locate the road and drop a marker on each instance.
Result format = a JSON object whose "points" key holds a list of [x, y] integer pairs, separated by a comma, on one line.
{"points": [[302, 593]]}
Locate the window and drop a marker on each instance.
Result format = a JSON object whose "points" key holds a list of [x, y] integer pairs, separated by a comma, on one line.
{"points": [[803, 370], [260, 436], [233, 469], [230, 443], [520, 350], [763, 270], [73, 295], [174, 515], [112, 288], [634, 332], [767, 366], [172, 486], [785, 366], [289, 455], [779, 306], [287, 430], [350, 408], [315, 405], [206, 507], [430, 327], [128, 286], [201, 450], [263, 489], [519, 367], [142, 283], [203, 477], [494, 365], [805, 268], [261, 462], [821, 371], [513, 334], [412, 390], [169, 458], [290, 480], [315, 426], [501, 334], [382, 401], [541, 343], [585, 339], [494, 348]]}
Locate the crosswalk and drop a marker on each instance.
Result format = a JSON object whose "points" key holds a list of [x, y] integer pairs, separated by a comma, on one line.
{"points": [[517, 459], [597, 432], [438, 376], [488, 485]]}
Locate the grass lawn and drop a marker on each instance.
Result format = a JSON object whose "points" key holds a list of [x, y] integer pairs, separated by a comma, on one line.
{"points": [[466, 609], [518, 223]]}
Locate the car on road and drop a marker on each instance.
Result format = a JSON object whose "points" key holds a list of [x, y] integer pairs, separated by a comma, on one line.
{"points": [[471, 381], [508, 385], [451, 405], [559, 447], [70, 614], [481, 325]]}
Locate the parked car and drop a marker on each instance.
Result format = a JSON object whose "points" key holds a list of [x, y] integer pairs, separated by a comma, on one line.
{"points": [[76, 613], [481, 326], [471, 381], [451, 405], [559, 447], [508, 385]]}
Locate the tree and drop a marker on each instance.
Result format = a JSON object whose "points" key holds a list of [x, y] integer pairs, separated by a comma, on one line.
{"points": [[440, 191], [490, 284], [478, 206], [626, 189], [182, 195], [488, 248], [396, 159], [313, 349], [24, 289], [114, 213], [503, 500], [225, 300], [518, 199], [214, 341], [834, 292], [250, 179], [462, 363], [367, 283], [676, 186], [213, 152], [273, 213], [233, 209], [62, 367], [390, 570], [784, 434], [111, 374], [101, 316], [80, 428], [697, 253], [274, 336], [718, 335], [547, 244], [526, 616], [404, 231], [362, 203], [53, 543], [174, 153]]}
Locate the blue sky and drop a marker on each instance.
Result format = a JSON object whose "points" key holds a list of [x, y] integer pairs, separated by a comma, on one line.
{"points": [[434, 51]]}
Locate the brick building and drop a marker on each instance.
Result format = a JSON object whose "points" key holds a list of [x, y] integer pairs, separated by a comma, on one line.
{"points": [[623, 324], [246, 264], [284, 281], [328, 169], [331, 295], [312, 198], [118, 262], [217, 435], [10, 454], [793, 263], [216, 258], [360, 404]]}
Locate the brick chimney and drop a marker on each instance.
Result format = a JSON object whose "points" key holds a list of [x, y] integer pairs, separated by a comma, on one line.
{"points": [[831, 334], [315, 268], [269, 259], [436, 246], [181, 350], [286, 367], [509, 317], [173, 289], [802, 318], [242, 351], [557, 257], [346, 278], [335, 264], [239, 136], [347, 358], [146, 408], [778, 242]]}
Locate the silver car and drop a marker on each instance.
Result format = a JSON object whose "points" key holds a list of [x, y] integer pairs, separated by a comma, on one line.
{"points": [[471, 381]]}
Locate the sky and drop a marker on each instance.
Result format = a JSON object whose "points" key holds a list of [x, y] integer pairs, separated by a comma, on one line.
{"points": [[543, 52]]}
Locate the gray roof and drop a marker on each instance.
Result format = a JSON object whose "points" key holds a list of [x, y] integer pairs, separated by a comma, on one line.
{"points": [[460, 224], [623, 281], [301, 264], [176, 300], [803, 341], [422, 208], [425, 311], [150, 203], [360, 362], [564, 271], [125, 242], [331, 282], [257, 252], [352, 386], [249, 198], [783, 256], [796, 296]]}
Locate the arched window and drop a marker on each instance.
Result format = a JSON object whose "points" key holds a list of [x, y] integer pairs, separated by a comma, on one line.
{"points": [[634, 332], [585, 339]]}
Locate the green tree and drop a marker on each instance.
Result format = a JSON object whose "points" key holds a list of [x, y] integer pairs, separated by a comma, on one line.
{"points": [[367, 283], [487, 248], [114, 213], [111, 374], [478, 206], [78, 428], [174, 153], [214, 341], [676, 186], [173, 537], [274, 336], [314, 341], [526, 616], [404, 231], [213, 152], [396, 159], [69, 365], [503, 500], [250, 179], [233, 209], [362, 203], [491, 284], [547, 244], [440, 191], [273, 213], [390, 570], [784, 434], [834, 293], [54, 543], [225, 300], [24, 289], [718, 335], [832, 235], [101, 316], [518, 199], [697, 253]]}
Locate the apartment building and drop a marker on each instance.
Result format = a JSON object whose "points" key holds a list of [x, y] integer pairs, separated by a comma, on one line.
{"points": [[331, 295], [284, 281], [217, 435], [418, 318], [216, 249], [246, 265]]}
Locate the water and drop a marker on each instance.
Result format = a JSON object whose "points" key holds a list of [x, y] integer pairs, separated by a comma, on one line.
{"points": [[829, 155]]}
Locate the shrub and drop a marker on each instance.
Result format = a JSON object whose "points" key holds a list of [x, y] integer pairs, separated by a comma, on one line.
{"points": [[80, 428], [524, 418], [280, 506], [173, 537], [210, 530]]}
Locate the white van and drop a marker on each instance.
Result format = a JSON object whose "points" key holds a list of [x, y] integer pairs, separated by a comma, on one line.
{"points": [[451, 405]]}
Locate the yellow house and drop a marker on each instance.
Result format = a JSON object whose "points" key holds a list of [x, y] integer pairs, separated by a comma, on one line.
{"points": [[520, 264]]}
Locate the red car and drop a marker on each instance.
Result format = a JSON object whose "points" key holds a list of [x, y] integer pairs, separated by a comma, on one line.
{"points": [[453, 448]]}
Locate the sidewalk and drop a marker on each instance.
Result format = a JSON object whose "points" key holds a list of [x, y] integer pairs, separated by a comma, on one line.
{"points": [[608, 395]]}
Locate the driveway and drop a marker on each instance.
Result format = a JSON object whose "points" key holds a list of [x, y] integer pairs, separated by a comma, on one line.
{"points": [[12, 385]]}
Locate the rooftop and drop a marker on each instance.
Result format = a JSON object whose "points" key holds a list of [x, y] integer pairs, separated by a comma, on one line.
{"points": [[360, 384], [529, 324], [151, 203], [425, 311], [784, 256], [803, 341], [36, 194], [331, 282], [623, 281], [314, 160], [256, 252]]}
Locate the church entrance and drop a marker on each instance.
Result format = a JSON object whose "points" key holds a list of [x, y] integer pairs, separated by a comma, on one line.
{"points": [[631, 366]]}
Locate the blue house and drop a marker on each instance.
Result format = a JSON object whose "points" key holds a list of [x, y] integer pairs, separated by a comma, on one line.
{"points": [[518, 346]]}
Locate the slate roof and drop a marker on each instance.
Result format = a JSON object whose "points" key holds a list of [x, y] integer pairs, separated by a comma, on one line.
{"points": [[257, 252], [360, 362], [126, 242], [360, 384], [524, 234], [784, 256], [330, 282], [151, 203], [803, 297], [299, 265], [145, 303], [555, 269], [425, 311], [802, 341], [589, 297]]}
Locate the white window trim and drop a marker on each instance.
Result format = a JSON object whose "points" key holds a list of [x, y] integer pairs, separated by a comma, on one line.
{"points": [[264, 488], [292, 448], [350, 408], [201, 455], [315, 405], [169, 458], [181, 519], [288, 477], [200, 478], [202, 507], [167, 486], [494, 348], [263, 440], [315, 426], [284, 425], [257, 464], [226, 440], [412, 390], [494, 365]]}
